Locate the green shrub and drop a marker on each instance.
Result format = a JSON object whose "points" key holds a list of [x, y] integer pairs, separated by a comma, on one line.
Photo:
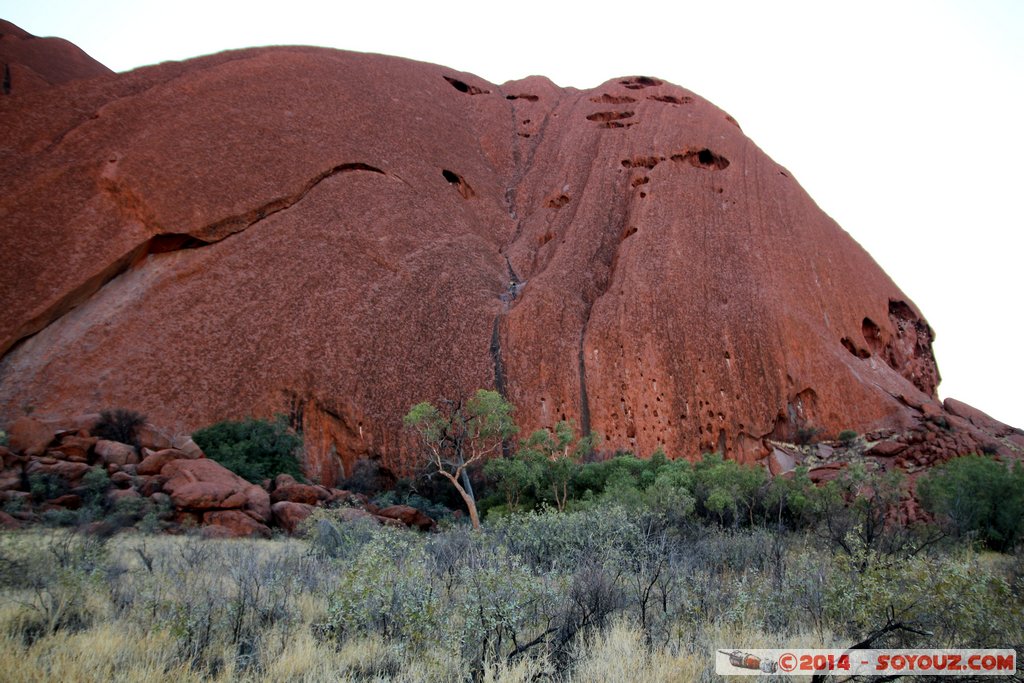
{"points": [[95, 485], [807, 435], [46, 486], [847, 437], [727, 490], [977, 496], [119, 425], [253, 449]]}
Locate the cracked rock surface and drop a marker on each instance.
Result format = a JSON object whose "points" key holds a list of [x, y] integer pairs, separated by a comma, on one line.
{"points": [[337, 236]]}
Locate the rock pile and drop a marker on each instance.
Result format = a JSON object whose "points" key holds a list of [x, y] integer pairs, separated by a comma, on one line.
{"points": [[46, 464]]}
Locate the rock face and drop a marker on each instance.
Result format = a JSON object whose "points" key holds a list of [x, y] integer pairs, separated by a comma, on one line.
{"points": [[31, 63], [337, 236]]}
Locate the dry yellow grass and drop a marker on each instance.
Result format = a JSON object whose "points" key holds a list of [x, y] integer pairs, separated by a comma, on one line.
{"points": [[133, 625]]}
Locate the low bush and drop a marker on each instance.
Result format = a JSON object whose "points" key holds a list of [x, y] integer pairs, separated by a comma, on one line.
{"points": [[120, 425], [977, 496], [253, 449], [847, 437]]}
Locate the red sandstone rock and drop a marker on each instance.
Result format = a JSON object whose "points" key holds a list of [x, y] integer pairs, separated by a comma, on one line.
{"points": [[205, 495], [780, 462], [70, 471], [389, 521], [30, 436], [155, 461], [561, 269], [355, 514], [121, 479], [33, 63], [10, 479], [236, 524], [115, 495], [825, 473], [76, 448], [159, 497], [886, 449], [976, 417], [409, 516], [282, 480], [203, 484], [115, 453], [300, 493], [149, 436], [70, 501], [149, 485], [189, 448], [8, 522], [257, 503], [289, 515]]}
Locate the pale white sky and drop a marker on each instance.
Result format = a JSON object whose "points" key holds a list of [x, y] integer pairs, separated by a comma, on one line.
{"points": [[902, 119]]}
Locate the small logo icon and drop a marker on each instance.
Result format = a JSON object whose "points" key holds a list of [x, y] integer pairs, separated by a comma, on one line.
{"points": [[744, 660]]}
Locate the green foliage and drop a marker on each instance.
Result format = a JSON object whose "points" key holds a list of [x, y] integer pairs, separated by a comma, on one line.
{"points": [[953, 596], [807, 435], [386, 589], [853, 511], [119, 425], [548, 539], [977, 496], [253, 449], [434, 510], [465, 427], [790, 501], [515, 477], [95, 484], [46, 486], [3, 438], [847, 437], [554, 457], [728, 490], [464, 434]]}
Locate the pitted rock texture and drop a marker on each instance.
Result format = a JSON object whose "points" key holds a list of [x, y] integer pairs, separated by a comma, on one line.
{"points": [[337, 236]]}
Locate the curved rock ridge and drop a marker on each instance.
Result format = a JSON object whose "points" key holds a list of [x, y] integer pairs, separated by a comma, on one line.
{"points": [[337, 236], [30, 63]]}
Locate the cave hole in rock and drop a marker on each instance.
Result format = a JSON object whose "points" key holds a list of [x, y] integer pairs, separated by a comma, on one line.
{"points": [[167, 242], [464, 87], [642, 162], [459, 182], [557, 202], [849, 346], [528, 98], [671, 99], [901, 310], [602, 116], [613, 99], [702, 158], [629, 232], [640, 82], [872, 334]]}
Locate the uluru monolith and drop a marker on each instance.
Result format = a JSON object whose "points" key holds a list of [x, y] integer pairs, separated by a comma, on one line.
{"points": [[337, 236]]}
